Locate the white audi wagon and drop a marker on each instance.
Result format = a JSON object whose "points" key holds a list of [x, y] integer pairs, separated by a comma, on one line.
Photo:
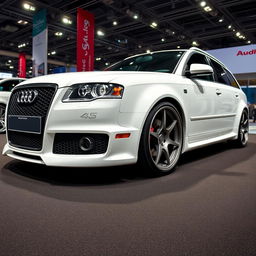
{"points": [[149, 108]]}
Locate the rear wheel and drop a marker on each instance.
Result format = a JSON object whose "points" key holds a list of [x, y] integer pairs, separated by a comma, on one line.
{"points": [[2, 118], [243, 132], [161, 140]]}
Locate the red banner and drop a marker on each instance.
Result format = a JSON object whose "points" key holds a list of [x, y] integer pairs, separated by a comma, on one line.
{"points": [[22, 65], [85, 41]]}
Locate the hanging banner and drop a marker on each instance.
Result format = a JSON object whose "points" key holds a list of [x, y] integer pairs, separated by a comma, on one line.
{"points": [[85, 41], [40, 42], [22, 65]]}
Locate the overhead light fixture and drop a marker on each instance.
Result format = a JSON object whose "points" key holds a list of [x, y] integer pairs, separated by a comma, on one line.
{"points": [[49, 53], [248, 42], [178, 47], [29, 7], [11, 67], [207, 8], [135, 16], [221, 20], [148, 51], [238, 34], [98, 59], [58, 33], [53, 52], [9, 61], [21, 45], [66, 20], [153, 25], [195, 43], [107, 63], [22, 22], [202, 3], [162, 39], [139, 46], [100, 33], [229, 26], [115, 23]]}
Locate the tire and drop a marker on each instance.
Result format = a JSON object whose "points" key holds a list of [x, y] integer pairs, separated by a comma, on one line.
{"points": [[2, 118], [243, 131], [161, 140]]}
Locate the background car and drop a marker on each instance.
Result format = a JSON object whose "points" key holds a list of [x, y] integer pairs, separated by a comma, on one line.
{"points": [[6, 85], [148, 108]]}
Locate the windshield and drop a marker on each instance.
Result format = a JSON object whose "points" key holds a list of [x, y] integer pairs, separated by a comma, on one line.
{"points": [[152, 62]]}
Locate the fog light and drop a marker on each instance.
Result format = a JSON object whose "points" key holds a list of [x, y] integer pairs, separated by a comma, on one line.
{"points": [[86, 143]]}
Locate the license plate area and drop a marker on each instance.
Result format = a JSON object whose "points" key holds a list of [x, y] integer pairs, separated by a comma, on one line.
{"points": [[29, 124]]}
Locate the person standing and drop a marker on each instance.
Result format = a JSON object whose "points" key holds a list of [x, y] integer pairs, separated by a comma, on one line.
{"points": [[254, 113]]}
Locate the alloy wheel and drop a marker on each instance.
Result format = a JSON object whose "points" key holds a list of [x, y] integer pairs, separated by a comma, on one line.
{"points": [[165, 138], [244, 128], [2, 119]]}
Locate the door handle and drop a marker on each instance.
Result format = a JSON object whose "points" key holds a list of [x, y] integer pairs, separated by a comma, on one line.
{"points": [[218, 92]]}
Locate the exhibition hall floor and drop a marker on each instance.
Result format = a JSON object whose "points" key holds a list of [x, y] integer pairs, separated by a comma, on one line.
{"points": [[207, 207]]}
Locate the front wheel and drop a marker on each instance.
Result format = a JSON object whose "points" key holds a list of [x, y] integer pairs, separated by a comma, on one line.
{"points": [[243, 131], [2, 118], [161, 140]]}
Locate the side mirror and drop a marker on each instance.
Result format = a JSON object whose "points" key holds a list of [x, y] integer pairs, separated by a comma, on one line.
{"points": [[200, 69]]}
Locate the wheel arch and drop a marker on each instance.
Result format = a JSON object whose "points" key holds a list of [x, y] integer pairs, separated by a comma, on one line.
{"points": [[178, 105]]}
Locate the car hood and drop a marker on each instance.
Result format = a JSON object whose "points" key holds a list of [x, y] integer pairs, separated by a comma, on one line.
{"points": [[120, 77]]}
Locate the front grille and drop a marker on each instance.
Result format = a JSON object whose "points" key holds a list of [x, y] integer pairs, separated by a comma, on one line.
{"points": [[38, 108], [66, 143]]}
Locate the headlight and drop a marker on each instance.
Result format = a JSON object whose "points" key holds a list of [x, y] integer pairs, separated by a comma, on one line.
{"points": [[92, 91]]}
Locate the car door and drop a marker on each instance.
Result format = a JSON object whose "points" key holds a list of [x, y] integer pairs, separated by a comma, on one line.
{"points": [[201, 97], [227, 97]]}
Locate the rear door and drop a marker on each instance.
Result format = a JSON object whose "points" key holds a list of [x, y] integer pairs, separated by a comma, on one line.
{"points": [[227, 97]]}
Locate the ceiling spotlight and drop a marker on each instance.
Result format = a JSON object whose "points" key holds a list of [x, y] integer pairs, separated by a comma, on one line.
{"points": [[107, 63], [162, 39], [195, 43], [238, 34], [98, 59], [22, 22], [53, 52], [221, 20], [58, 33], [178, 47], [230, 27], [11, 67], [66, 20], [115, 23], [148, 51], [207, 8], [9, 61], [248, 42], [135, 16], [100, 33], [139, 46], [29, 7], [153, 25], [202, 3]]}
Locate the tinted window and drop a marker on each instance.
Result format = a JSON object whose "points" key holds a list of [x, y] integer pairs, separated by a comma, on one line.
{"points": [[232, 80], [199, 59], [220, 73], [7, 86], [155, 62]]}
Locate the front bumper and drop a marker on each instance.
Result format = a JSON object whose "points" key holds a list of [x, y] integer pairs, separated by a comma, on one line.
{"points": [[75, 118]]}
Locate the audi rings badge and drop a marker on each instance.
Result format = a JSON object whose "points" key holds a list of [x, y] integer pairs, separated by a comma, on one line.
{"points": [[27, 96]]}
